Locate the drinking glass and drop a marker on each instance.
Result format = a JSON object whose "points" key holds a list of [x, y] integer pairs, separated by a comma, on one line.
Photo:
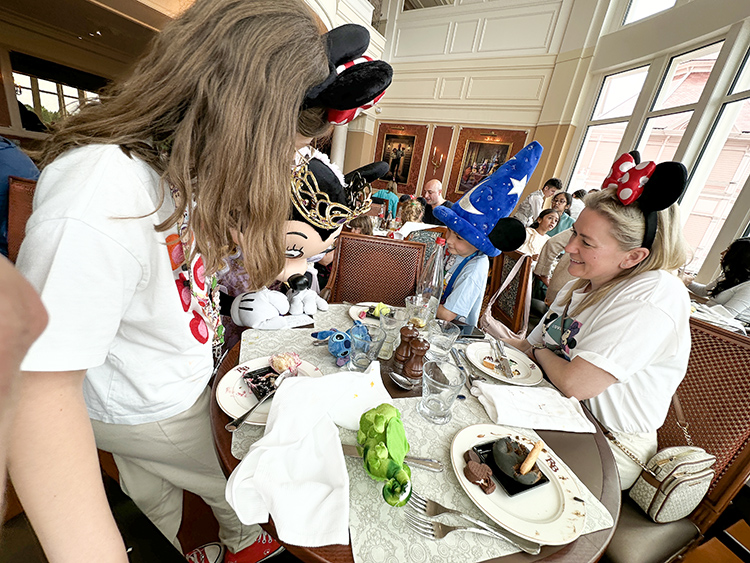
{"points": [[441, 382], [418, 311], [441, 335], [366, 344], [391, 323]]}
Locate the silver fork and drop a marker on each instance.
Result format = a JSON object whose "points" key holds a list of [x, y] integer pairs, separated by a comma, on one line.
{"points": [[431, 508]]}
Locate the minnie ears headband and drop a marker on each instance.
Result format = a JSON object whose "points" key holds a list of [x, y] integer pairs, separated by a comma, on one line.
{"points": [[654, 186], [356, 82]]}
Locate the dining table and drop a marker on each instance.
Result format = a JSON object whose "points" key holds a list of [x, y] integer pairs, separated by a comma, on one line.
{"points": [[587, 455]]}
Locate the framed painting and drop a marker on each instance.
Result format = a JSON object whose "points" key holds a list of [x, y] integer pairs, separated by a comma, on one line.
{"points": [[481, 159], [397, 152]]}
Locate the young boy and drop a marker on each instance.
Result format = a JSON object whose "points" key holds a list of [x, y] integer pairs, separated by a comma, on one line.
{"points": [[479, 228]]}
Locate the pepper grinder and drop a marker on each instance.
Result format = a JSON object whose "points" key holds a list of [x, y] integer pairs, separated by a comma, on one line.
{"points": [[413, 366], [402, 353]]}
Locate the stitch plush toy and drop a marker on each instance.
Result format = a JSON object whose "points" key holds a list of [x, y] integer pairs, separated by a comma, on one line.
{"points": [[339, 343]]}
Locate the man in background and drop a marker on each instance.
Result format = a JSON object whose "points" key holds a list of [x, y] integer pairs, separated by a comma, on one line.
{"points": [[433, 194], [530, 208]]}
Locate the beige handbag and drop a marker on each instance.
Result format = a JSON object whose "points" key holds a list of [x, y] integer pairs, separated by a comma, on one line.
{"points": [[675, 480]]}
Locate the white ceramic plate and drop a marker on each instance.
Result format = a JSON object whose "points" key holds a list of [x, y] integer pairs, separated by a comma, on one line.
{"points": [[355, 310], [528, 372], [234, 395], [548, 514]]}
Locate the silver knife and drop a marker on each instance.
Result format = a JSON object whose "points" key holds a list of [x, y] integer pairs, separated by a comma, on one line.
{"points": [[498, 352], [423, 462], [469, 368]]}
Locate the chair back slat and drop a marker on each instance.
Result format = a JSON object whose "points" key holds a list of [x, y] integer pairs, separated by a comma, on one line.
{"points": [[715, 396], [428, 238], [20, 199], [369, 268]]}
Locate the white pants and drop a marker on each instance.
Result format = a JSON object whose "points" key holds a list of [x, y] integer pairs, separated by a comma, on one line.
{"points": [[158, 460], [643, 446]]}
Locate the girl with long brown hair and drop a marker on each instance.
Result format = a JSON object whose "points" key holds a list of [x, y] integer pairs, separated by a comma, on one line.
{"points": [[141, 198]]}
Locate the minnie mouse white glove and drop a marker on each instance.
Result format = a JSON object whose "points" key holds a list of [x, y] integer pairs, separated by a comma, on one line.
{"points": [[305, 301], [259, 309]]}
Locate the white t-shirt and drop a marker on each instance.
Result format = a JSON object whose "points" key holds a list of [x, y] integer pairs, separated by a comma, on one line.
{"points": [[466, 296], [640, 334], [735, 300], [116, 307], [534, 242]]}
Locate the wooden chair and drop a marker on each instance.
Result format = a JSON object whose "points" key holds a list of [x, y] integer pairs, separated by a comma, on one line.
{"points": [[714, 395], [428, 238], [20, 198], [510, 307], [369, 268]]}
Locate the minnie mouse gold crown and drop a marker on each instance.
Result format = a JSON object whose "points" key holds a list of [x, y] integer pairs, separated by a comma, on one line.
{"points": [[315, 204]]}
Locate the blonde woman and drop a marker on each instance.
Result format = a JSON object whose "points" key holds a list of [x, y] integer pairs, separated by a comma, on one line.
{"points": [[141, 198], [618, 336]]}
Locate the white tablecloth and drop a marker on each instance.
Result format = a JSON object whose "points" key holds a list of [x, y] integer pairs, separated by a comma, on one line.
{"points": [[378, 531]]}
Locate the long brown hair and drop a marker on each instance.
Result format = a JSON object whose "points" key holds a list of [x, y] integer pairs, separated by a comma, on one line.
{"points": [[628, 225], [213, 106]]}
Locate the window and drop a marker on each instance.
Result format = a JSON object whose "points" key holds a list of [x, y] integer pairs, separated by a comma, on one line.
{"points": [[49, 100], [722, 172], [617, 98], [640, 9]]}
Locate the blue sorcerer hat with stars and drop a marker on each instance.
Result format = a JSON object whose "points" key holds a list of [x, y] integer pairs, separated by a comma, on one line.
{"points": [[475, 215]]}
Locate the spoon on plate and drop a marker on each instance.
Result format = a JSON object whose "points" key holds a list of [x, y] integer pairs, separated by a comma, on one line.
{"points": [[237, 422]]}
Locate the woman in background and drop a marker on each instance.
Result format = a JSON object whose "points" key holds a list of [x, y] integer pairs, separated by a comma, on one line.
{"points": [[577, 205], [561, 203], [412, 211], [731, 290]]}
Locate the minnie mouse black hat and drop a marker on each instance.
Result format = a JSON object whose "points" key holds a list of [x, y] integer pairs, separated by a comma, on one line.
{"points": [[653, 186], [356, 82]]}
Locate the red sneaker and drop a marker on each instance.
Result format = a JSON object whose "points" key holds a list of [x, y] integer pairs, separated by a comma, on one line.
{"points": [[209, 553], [264, 548]]}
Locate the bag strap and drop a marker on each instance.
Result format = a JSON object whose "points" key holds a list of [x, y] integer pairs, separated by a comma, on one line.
{"points": [[681, 422], [680, 416], [521, 334]]}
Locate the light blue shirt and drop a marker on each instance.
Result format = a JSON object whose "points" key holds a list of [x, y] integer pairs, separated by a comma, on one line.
{"points": [[468, 290]]}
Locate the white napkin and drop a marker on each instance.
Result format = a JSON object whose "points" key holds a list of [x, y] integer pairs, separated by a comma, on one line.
{"points": [[296, 472], [540, 408]]}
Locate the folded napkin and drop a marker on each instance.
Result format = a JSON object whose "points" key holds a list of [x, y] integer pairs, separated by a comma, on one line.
{"points": [[540, 408], [296, 472]]}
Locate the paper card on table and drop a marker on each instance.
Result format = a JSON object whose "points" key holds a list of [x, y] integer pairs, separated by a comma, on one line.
{"points": [[540, 408]]}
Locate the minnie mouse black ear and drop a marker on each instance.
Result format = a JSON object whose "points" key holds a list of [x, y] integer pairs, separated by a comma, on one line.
{"points": [[346, 43], [508, 234], [353, 87], [368, 172], [636, 157], [664, 187]]}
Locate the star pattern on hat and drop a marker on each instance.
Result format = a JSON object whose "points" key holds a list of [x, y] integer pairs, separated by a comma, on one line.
{"points": [[518, 185]]}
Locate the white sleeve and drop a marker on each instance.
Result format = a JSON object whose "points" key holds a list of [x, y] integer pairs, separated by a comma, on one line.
{"points": [[626, 337], [701, 290], [739, 302], [551, 250], [86, 281]]}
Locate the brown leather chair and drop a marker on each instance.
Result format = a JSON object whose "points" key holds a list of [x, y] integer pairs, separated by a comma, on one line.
{"points": [[510, 307], [714, 396], [369, 268], [20, 198], [428, 238]]}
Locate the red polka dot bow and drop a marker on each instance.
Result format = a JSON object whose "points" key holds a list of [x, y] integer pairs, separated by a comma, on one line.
{"points": [[629, 178]]}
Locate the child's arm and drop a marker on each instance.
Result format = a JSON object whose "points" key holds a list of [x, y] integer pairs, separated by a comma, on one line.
{"points": [[445, 314]]}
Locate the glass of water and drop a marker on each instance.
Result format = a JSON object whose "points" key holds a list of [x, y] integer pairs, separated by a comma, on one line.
{"points": [[441, 335], [441, 382]]}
